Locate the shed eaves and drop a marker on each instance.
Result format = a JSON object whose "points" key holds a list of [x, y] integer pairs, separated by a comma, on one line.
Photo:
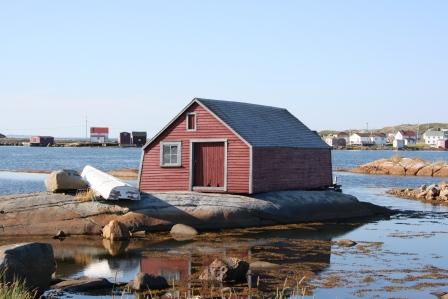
{"points": [[264, 126]]}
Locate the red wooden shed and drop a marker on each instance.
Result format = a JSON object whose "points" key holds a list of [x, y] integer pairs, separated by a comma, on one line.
{"points": [[234, 147]]}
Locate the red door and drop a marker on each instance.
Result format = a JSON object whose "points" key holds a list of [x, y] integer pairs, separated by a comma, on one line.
{"points": [[208, 164]]}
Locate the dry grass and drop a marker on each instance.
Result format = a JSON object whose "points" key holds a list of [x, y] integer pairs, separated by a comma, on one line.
{"points": [[14, 290], [85, 195], [396, 159]]}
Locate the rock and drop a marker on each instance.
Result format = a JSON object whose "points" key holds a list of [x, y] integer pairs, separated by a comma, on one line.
{"points": [[425, 171], [64, 180], [432, 192], [116, 230], [182, 230], [44, 213], [263, 265], [346, 243], [442, 172], [138, 234], [403, 166], [396, 170], [145, 281], [421, 195], [60, 235], [443, 195], [32, 263], [226, 269], [83, 285], [423, 188], [415, 167]]}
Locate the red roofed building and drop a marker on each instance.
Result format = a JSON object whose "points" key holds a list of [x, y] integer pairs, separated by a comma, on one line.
{"points": [[408, 137], [99, 134]]}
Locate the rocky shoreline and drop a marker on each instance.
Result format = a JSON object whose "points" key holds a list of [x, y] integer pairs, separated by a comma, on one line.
{"points": [[404, 167], [47, 213], [435, 193]]}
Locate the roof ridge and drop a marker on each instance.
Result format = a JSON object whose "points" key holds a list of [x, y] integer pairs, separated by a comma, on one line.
{"points": [[239, 102]]}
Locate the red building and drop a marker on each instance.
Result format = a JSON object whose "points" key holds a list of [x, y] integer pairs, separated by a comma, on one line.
{"points": [[99, 134], [233, 147]]}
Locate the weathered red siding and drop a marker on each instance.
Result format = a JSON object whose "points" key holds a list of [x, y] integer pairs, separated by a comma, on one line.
{"points": [[276, 169], [156, 178]]}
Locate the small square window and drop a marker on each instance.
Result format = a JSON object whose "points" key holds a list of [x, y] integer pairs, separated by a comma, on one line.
{"points": [[191, 121], [170, 154]]}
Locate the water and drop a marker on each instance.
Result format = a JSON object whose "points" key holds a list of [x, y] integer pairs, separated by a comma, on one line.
{"points": [[401, 257]]}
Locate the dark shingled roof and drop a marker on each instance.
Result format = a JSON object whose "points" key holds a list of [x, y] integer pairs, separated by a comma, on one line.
{"points": [[264, 126]]}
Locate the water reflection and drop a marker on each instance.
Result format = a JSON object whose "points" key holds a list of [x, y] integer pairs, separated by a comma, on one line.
{"points": [[296, 248]]}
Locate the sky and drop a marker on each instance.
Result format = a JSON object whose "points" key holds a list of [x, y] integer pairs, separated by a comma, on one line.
{"points": [[133, 65]]}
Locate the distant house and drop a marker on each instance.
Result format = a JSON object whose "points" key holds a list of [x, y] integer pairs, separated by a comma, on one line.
{"points": [[360, 139], [378, 138], [432, 136], [41, 141], [99, 135], [408, 137], [344, 136], [139, 138], [234, 147], [334, 141]]}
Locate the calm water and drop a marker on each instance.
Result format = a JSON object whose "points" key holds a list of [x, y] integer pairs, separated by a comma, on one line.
{"points": [[402, 257]]}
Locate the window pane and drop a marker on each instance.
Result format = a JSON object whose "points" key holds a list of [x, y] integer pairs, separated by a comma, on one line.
{"points": [[191, 121], [173, 158], [166, 154], [166, 158]]}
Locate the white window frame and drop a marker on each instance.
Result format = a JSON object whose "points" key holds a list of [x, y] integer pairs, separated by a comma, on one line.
{"points": [[179, 153], [195, 121]]}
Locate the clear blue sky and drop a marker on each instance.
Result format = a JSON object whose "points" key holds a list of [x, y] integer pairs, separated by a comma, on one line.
{"points": [[132, 65]]}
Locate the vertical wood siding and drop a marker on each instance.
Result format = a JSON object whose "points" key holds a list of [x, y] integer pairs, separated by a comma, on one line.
{"points": [[209, 164], [157, 178], [276, 169]]}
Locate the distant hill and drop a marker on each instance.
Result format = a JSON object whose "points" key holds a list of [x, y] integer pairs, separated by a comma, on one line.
{"points": [[414, 127]]}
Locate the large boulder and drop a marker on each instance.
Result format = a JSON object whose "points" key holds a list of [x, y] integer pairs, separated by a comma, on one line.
{"points": [[115, 231], [32, 263], [182, 230], [65, 180], [144, 281], [226, 269]]}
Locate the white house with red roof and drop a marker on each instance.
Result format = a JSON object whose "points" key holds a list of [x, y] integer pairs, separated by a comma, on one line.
{"points": [[409, 137]]}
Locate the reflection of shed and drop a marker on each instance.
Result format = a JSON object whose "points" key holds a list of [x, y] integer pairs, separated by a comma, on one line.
{"points": [[125, 138], [180, 267], [41, 141], [175, 268], [139, 138]]}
